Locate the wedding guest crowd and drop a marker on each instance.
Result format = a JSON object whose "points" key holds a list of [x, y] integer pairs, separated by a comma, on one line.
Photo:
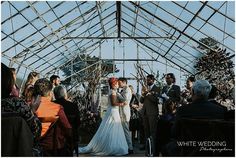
{"points": [[51, 130], [54, 120]]}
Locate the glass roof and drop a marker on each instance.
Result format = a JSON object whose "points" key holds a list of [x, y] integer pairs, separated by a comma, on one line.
{"points": [[44, 35]]}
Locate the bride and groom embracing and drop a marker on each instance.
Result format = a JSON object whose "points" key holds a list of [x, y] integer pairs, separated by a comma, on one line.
{"points": [[113, 136]]}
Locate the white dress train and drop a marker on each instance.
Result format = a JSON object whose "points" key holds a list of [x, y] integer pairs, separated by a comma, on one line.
{"points": [[109, 138]]}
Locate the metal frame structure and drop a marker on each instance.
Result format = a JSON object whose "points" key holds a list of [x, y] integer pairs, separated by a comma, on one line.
{"points": [[45, 35]]}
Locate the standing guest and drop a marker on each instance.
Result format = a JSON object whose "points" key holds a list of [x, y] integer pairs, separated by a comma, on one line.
{"points": [[49, 112], [15, 90], [17, 105], [170, 91], [186, 94], [150, 101], [29, 87], [55, 80], [134, 123], [212, 97]]}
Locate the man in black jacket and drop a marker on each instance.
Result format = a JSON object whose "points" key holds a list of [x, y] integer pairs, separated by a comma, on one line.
{"points": [[170, 91]]}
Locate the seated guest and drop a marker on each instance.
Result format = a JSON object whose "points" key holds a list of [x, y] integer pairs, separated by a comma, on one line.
{"points": [[169, 111], [200, 107], [15, 104], [229, 115], [71, 110], [15, 90], [212, 97], [49, 112], [164, 125]]}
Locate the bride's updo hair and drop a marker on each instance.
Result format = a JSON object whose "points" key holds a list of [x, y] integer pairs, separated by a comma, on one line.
{"points": [[112, 81]]}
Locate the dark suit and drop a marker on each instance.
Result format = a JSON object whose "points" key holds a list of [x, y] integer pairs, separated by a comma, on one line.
{"points": [[189, 125], [173, 92], [199, 110], [150, 113]]}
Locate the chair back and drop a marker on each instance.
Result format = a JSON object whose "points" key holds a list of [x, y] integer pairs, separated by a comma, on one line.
{"points": [[16, 137], [200, 137]]}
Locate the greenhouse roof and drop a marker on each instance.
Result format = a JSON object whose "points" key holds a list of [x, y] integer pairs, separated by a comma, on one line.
{"points": [[44, 35]]}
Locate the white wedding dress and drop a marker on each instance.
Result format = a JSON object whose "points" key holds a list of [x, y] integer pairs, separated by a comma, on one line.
{"points": [[109, 138]]}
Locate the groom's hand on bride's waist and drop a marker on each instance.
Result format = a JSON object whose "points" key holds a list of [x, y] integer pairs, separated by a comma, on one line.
{"points": [[123, 104]]}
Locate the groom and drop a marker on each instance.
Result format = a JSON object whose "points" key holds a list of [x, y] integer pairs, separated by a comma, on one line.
{"points": [[126, 96]]}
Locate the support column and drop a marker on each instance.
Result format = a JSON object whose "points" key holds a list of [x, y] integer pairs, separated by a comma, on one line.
{"points": [[114, 57], [137, 70], [123, 57], [100, 76]]}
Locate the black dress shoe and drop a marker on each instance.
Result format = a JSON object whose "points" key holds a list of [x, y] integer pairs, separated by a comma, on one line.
{"points": [[131, 151]]}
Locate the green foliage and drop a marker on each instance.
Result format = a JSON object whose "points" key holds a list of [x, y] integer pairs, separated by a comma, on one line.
{"points": [[210, 42], [217, 67]]}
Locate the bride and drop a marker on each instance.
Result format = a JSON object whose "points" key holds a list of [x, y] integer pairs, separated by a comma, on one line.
{"points": [[109, 138]]}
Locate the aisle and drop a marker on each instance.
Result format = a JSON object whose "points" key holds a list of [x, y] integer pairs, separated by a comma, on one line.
{"points": [[137, 152]]}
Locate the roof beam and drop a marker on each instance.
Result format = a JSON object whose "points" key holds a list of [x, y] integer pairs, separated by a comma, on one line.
{"points": [[156, 59], [58, 19], [163, 21], [49, 26], [82, 33], [159, 54], [147, 35], [72, 58], [206, 21], [136, 37], [14, 59], [197, 29], [118, 17], [135, 21], [47, 36], [68, 24], [100, 17], [156, 33], [82, 15], [204, 4]]}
